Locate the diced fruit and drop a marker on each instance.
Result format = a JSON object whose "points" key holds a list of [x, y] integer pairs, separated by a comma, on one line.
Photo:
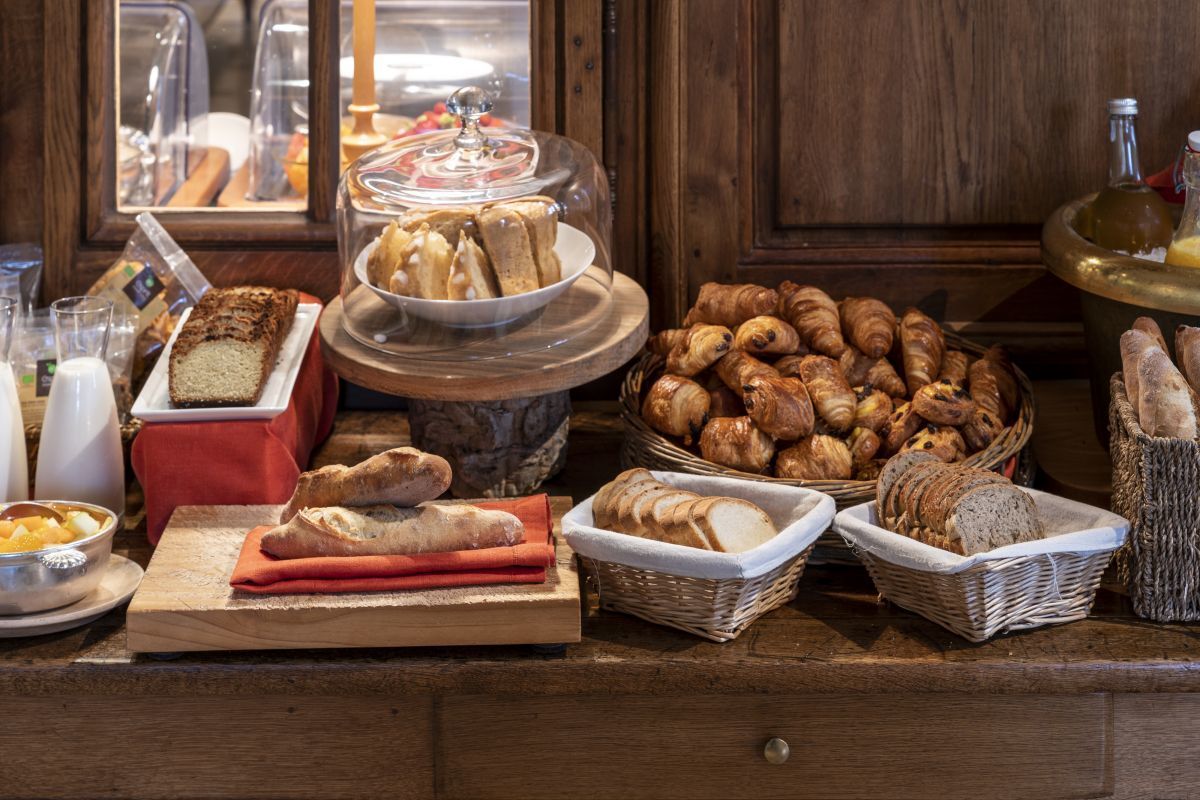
{"points": [[53, 535], [82, 524], [6, 528], [27, 542], [17, 531], [32, 523], [7, 546]]}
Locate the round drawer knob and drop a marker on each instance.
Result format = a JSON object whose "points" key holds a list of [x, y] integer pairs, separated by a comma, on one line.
{"points": [[776, 751]]}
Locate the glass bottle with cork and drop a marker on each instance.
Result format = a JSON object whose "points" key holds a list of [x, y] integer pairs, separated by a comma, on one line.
{"points": [[1128, 216], [1185, 246]]}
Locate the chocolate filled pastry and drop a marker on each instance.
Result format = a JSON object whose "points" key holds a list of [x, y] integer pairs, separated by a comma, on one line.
{"points": [[816, 458], [981, 429], [662, 342], [767, 335], [779, 406], [861, 369], [944, 403], [954, 367], [942, 442], [868, 324], [731, 304], [735, 369], [864, 443], [676, 406], [872, 408], [725, 402], [831, 395], [789, 366], [698, 349], [922, 345], [814, 315], [737, 443]]}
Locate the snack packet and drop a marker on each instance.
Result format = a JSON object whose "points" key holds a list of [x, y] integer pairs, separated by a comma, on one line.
{"points": [[154, 281], [21, 273], [33, 357]]}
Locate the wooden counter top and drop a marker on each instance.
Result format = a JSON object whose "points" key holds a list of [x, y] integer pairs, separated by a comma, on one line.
{"points": [[834, 638]]}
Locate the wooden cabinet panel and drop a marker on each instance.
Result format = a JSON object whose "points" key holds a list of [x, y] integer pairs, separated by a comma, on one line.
{"points": [[220, 746], [1157, 751], [945, 112], [914, 746]]}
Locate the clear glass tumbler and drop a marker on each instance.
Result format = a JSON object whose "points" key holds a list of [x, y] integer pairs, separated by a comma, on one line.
{"points": [[14, 470]]}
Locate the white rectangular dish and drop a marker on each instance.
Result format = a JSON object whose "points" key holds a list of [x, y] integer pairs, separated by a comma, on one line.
{"points": [[154, 402], [1070, 527], [800, 515]]}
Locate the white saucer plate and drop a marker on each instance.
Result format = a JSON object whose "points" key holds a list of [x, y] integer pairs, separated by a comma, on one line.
{"points": [[120, 581]]}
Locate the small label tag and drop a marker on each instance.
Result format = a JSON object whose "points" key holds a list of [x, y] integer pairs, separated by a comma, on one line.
{"points": [[144, 287], [45, 376]]}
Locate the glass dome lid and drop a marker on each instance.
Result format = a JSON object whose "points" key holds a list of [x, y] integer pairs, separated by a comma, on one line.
{"points": [[470, 165], [477, 243]]}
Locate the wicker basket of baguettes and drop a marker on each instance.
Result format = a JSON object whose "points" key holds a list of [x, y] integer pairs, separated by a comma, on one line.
{"points": [[1154, 426], [786, 385]]}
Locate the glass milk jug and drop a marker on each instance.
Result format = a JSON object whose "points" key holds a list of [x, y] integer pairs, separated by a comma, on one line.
{"points": [[80, 453], [14, 474]]}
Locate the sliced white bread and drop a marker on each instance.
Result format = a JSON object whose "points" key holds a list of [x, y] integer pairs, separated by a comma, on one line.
{"points": [[733, 525]]}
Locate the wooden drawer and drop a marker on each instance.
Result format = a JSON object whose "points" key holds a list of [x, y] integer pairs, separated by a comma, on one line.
{"points": [[908, 746]]}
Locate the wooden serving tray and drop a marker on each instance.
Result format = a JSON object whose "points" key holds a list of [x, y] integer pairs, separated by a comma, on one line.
{"points": [[185, 602]]}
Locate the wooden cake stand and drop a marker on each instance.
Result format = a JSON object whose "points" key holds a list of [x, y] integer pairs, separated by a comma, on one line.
{"points": [[501, 422]]}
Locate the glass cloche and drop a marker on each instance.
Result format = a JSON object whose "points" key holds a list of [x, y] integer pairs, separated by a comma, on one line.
{"points": [[474, 243]]}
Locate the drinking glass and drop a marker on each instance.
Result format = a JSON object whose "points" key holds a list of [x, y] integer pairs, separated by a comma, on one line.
{"points": [[81, 327]]}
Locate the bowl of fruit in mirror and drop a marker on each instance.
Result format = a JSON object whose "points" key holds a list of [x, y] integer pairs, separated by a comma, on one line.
{"points": [[52, 553]]}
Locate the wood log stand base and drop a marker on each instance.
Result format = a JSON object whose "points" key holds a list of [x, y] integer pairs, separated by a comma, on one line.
{"points": [[501, 448]]}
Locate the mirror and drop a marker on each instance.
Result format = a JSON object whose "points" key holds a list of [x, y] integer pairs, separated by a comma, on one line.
{"points": [[213, 95]]}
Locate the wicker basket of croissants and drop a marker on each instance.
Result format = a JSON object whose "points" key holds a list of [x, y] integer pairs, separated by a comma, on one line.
{"points": [[787, 385]]}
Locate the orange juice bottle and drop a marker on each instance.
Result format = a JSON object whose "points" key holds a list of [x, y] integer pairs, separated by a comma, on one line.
{"points": [[1185, 246], [1128, 216]]}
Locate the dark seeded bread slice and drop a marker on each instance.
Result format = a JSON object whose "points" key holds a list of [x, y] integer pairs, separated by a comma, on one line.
{"points": [[992, 516], [893, 469], [913, 483], [966, 480]]}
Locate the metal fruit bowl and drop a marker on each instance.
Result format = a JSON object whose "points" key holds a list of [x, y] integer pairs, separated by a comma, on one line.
{"points": [[1115, 289], [57, 575]]}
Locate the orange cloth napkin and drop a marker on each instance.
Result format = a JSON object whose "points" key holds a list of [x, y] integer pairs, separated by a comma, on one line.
{"points": [[241, 462], [260, 573]]}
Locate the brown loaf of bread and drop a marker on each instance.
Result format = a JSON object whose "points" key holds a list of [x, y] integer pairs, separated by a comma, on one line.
{"points": [[384, 530], [226, 350], [403, 476]]}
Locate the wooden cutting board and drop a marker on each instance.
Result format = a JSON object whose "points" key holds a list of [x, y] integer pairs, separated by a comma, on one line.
{"points": [[185, 602]]}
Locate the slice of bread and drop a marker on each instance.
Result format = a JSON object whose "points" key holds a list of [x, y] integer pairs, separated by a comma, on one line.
{"points": [[733, 525], [541, 222], [992, 516], [507, 242], [893, 469], [471, 276]]}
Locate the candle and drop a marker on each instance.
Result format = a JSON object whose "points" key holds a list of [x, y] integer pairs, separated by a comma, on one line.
{"points": [[364, 52]]}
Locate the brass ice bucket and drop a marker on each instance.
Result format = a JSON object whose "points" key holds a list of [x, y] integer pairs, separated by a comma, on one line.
{"points": [[1114, 290]]}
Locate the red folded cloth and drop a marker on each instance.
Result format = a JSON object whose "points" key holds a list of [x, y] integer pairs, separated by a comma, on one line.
{"points": [[260, 573], [242, 462]]}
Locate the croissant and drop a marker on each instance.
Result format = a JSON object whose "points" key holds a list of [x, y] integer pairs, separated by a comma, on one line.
{"points": [[942, 442], [860, 369], [816, 458], [831, 396], [954, 367], [779, 406], [698, 348], [731, 304], [863, 443], [922, 345], [872, 409], [1006, 378], [662, 342], [789, 366], [736, 442], [900, 427], [724, 402], [766, 335], [736, 369], [676, 406], [814, 315], [985, 391], [868, 324]]}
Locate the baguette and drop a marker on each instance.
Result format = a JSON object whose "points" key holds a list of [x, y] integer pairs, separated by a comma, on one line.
{"points": [[1165, 401], [403, 477], [381, 530]]}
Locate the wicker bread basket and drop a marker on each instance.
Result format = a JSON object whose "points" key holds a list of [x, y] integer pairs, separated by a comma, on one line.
{"points": [[995, 595], [712, 595], [645, 447], [1156, 486]]}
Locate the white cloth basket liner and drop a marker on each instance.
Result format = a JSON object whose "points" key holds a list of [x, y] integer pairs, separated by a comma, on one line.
{"points": [[800, 515], [1070, 527]]}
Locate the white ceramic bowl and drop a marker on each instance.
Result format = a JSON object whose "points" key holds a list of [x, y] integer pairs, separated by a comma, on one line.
{"points": [[575, 250]]}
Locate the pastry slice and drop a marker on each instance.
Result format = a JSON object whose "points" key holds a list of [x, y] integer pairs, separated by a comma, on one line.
{"points": [[541, 221], [471, 276], [389, 255], [450, 221], [426, 271], [506, 240]]}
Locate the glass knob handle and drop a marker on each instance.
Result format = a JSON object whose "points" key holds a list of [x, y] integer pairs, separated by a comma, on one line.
{"points": [[776, 751], [469, 104]]}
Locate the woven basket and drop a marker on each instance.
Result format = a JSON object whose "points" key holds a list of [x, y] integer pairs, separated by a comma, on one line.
{"points": [[645, 447], [995, 596], [1156, 486], [717, 610]]}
